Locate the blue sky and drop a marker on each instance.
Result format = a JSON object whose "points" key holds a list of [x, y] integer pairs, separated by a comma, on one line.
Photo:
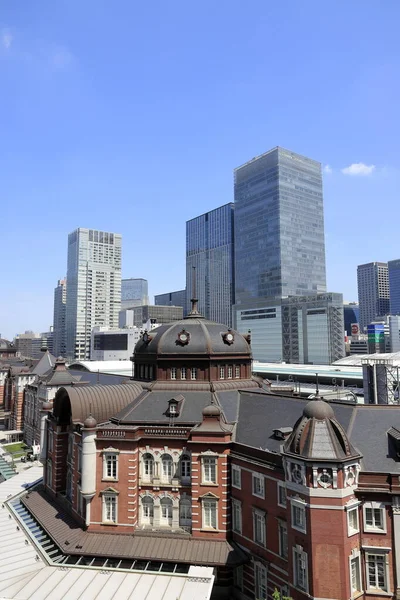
{"points": [[131, 116]]}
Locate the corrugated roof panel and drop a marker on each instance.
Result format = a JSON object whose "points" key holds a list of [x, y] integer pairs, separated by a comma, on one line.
{"points": [[143, 589], [112, 587], [174, 588]]}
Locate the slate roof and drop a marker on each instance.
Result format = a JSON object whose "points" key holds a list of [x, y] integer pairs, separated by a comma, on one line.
{"points": [[46, 362], [206, 337], [170, 548]]}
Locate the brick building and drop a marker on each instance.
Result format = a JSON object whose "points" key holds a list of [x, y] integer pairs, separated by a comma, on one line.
{"points": [[195, 463]]}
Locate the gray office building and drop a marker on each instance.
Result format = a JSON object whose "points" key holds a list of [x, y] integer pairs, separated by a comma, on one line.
{"points": [[279, 227], [60, 299], [94, 287], [156, 314], [297, 329], [209, 248], [394, 286], [177, 298], [134, 292], [373, 292]]}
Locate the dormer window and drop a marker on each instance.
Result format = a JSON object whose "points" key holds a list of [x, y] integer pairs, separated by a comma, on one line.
{"points": [[174, 406], [172, 409]]}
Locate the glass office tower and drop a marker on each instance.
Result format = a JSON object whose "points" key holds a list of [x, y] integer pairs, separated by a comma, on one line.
{"points": [[93, 287], [279, 227], [209, 248], [394, 286], [373, 292], [134, 292]]}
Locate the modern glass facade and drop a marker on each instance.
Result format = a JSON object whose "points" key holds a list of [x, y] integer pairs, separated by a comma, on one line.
{"points": [[373, 292], [134, 292], [60, 298], [209, 248], [279, 227], [94, 287], [351, 315], [394, 286], [177, 298]]}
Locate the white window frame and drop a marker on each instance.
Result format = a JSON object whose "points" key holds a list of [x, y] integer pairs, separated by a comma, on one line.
{"points": [[183, 372], [258, 477], [236, 473], [298, 507], [355, 559], [113, 498], [173, 373], [236, 516], [260, 581], [147, 519], [352, 509], [209, 508], [237, 371], [230, 372], [185, 512], [208, 463], [110, 459], [222, 372], [373, 506], [300, 568], [185, 467], [282, 492], [166, 511], [377, 552], [147, 477], [259, 519], [193, 373], [283, 539], [167, 468]]}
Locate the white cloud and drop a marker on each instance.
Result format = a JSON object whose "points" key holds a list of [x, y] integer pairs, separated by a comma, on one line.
{"points": [[358, 169], [6, 39], [61, 58], [327, 169]]}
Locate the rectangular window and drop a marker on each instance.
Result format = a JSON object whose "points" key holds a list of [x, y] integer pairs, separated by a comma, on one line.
{"points": [[49, 481], [237, 372], [209, 470], [237, 516], [185, 467], [299, 516], [236, 477], [352, 521], [355, 575], [281, 494], [377, 576], [259, 527], [222, 372], [110, 466], [300, 568], [173, 372], [283, 539], [258, 485], [230, 371], [260, 576], [374, 517], [210, 514], [109, 508], [50, 440], [183, 373], [193, 373]]}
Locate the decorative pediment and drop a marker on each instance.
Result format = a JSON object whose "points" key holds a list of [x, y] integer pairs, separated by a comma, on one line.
{"points": [[109, 490], [110, 450], [209, 496]]}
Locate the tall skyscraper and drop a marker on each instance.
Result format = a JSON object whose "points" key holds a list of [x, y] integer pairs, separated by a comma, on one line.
{"points": [[94, 286], [394, 286], [60, 299], [279, 227], [134, 292], [373, 292], [177, 298], [209, 248]]}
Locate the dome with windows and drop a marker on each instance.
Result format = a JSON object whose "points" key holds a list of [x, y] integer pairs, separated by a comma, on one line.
{"points": [[194, 349]]}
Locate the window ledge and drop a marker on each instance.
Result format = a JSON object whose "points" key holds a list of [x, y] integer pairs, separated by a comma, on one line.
{"points": [[108, 479], [210, 530], [299, 529], [372, 530], [259, 496], [209, 484], [371, 592], [109, 523]]}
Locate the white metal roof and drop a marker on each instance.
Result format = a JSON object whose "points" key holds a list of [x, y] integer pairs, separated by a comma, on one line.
{"points": [[111, 367], [24, 574], [355, 359], [341, 371]]}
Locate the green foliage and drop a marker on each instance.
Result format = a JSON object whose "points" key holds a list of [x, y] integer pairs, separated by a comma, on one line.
{"points": [[277, 596]]}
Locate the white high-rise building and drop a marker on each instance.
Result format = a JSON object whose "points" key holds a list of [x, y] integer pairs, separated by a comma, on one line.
{"points": [[94, 287], [373, 292], [60, 298]]}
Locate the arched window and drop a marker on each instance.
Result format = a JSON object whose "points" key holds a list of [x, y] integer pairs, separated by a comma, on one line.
{"points": [[147, 510], [185, 512], [166, 512], [185, 464], [166, 467], [148, 467]]}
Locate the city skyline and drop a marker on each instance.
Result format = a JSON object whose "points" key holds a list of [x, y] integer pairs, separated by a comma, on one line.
{"points": [[176, 119]]}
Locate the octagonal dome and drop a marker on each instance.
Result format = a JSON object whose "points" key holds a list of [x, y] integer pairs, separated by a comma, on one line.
{"points": [[192, 336]]}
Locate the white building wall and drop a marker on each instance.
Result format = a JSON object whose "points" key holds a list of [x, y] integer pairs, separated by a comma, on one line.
{"points": [[266, 332]]}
